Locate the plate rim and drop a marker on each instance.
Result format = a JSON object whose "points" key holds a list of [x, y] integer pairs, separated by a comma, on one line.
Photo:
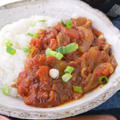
{"points": [[24, 114]]}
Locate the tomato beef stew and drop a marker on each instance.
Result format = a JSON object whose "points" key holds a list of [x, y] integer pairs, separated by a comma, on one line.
{"points": [[65, 62]]}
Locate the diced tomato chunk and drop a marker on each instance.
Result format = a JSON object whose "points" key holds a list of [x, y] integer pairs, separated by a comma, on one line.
{"points": [[53, 44], [36, 42], [43, 73]]}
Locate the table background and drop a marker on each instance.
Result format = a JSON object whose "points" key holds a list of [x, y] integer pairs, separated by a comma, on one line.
{"points": [[111, 106]]}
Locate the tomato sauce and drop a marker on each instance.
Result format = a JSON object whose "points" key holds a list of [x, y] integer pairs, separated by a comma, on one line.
{"points": [[91, 60]]}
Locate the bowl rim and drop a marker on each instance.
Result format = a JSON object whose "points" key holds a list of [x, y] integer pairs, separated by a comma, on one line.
{"points": [[99, 99]]}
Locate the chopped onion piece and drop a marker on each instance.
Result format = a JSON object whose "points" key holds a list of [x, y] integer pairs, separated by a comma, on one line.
{"points": [[54, 73]]}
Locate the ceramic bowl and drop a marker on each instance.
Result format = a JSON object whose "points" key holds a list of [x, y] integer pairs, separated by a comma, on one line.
{"points": [[62, 9]]}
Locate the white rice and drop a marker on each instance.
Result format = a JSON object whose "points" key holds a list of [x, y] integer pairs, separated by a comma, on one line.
{"points": [[12, 65]]}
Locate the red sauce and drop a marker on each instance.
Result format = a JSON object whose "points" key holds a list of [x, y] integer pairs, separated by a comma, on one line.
{"points": [[92, 60]]}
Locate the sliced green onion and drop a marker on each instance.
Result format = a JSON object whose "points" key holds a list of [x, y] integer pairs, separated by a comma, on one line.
{"points": [[50, 52], [5, 41], [43, 20], [33, 35], [68, 49], [6, 90], [9, 44], [32, 23], [77, 89], [30, 34], [71, 47], [36, 34], [66, 77], [59, 56], [10, 50], [69, 69], [63, 22], [61, 50], [69, 24], [103, 80], [26, 49]]}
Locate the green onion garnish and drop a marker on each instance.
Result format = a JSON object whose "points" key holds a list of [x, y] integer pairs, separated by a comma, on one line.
{"points": [[10, 50], [32, 23], [5, 41], [26, 49], [36, 34], [68, 49], [6, 90], [71, 47], [9, 44], [33, 35], [62, 50], [59, 56], [63, 22], [67, 23], [69, 69], [42, 20], [30, 34], [103, 80], [66, 77], [77, 89], [50, 52]]}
